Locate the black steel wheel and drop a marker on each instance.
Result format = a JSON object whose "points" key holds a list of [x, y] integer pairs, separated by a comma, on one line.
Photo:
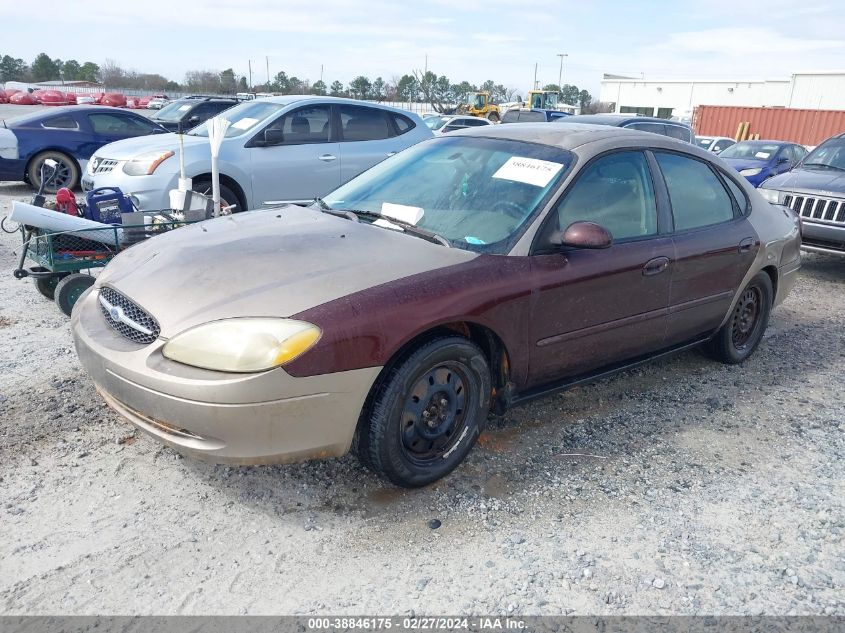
{"points": [[67, 171], [69, 289], [743, 331], [426, 414], [228, 198]]}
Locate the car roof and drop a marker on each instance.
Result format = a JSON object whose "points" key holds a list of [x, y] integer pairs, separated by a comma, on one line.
{"points": [[565, 136], [616, 119], [289, 99], [204, 99], [764, 142], [39, 115]]}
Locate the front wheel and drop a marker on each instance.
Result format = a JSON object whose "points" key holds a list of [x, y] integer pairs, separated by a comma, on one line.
{"points": [[227, 196], [69, 289], [493, 117], [740, 336], [427, 413]]}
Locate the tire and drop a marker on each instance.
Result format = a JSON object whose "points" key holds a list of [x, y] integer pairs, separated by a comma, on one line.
{"points": [[67, 175], [739, 337], [427, 413], [493, 117], [47, 285], [69, 289], [227, 196]]}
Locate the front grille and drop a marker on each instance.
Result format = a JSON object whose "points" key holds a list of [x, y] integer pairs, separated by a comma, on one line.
{"points": [[127, 318], [104, 166], [817, 208]]}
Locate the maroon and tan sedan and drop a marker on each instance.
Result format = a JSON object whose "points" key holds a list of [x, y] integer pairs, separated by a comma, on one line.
{"points": [[460, 277]]}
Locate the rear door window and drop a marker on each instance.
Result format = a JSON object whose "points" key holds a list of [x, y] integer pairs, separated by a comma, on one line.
{"points": [[679, 132], [655, 128], [528, 116], [511, 116], [363, 124], [120, 124], [697, 195]]}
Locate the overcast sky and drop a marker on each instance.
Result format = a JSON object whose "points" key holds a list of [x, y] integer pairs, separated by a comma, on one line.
{"points": [[475, 41]]}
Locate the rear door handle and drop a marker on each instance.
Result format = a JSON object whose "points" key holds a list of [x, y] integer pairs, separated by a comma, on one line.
{"points": [[327, 158], [746, 244], [655, 266]]}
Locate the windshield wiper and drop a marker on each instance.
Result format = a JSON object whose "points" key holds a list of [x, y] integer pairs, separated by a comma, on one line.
{"points": [[823, 165], [355, 214]]}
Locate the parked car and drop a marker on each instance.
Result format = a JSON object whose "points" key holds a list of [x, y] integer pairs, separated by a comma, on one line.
{"points": [[85, 100], [714, 144], [4, 98], [815, 189], [532, 115], [758, 160], [673, 129], [22, 98], [66, 134], [157, 102], [290, 148], [114, 99], [71, 98], [189, 113], [144, 102], [469, 273], [446, 123], [52, 98]]}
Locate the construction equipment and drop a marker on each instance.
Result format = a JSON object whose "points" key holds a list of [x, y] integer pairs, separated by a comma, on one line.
{"points": [[543, 99], [481, 106]]}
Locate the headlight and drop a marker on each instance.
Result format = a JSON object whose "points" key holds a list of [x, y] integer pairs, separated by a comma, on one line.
{"points": [[242, 345], [750, 172], [772, 195], [145, 164]]}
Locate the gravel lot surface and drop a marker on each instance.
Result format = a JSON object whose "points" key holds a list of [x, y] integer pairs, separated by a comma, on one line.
{"points": [[684, 487]]}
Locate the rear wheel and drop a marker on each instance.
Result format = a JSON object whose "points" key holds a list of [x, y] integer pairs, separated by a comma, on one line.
{"points": [[67, 172], [69, 289], [47, 285], [740, 336], [427, 414]]}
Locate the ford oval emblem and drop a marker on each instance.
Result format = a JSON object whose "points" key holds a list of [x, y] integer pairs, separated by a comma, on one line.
{"points": [[116, 313]]}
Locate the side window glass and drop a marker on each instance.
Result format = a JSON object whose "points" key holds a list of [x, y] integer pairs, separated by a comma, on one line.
{"points": [[529, 116], [655, 128], [739, 196], [305, 125], [697, 196], [403, 123], [363, 124], [118, 124], [60, 123], [616, 192], [678, 132], [511, 116]]}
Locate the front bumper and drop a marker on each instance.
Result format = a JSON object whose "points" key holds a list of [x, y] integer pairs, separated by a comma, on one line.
{"points": [[262, 418], [822, 238], [152, 192]]}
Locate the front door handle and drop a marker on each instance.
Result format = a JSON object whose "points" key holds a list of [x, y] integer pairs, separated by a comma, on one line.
{"points": [[327, 158], [655, 266], [746, 244]]}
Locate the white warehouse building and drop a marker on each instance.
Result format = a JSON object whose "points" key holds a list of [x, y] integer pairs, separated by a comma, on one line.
{"points": [[678, 98]]}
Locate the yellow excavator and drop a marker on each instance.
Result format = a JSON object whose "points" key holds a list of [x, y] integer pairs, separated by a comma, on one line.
{"points": [[480, 106], [543, 99]]}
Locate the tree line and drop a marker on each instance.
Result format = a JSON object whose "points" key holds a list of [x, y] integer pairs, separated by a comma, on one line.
{"points": [[419, 86]]}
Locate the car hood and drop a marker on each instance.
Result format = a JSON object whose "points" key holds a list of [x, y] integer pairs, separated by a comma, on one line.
{"points": [[744, 163], [131, 147], [276, 262], [822, 180]]}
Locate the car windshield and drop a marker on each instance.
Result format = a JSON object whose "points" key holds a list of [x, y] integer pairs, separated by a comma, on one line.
{"points": [[830, 155], [243, 117], [703, 141], [751, 150], [173, 112], [435, 122], [478, 193]]}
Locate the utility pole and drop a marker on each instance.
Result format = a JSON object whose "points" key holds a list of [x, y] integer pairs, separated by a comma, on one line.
{"points": [[321, 73], [560, 73], [249, 61], [267, 59], [535, 75], [425, 72]]}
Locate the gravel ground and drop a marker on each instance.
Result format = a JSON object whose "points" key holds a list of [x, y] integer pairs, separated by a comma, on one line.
{"points": [[684, 487]]}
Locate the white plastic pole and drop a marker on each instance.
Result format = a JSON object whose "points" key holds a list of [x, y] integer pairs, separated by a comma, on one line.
{"points": [[216, 133]]}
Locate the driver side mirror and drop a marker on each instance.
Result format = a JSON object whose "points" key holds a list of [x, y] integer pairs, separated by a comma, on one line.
{"points": [[782, 160], [585, 235], [194, 120], [273, 136]]}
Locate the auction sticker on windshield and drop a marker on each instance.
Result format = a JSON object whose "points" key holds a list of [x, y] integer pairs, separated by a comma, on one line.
{"points": [[244, 124], [530, 171]]}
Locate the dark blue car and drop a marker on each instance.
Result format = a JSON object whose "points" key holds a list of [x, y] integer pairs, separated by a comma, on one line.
{"points": [[533, 115], [69, 135], [759, 160]]}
